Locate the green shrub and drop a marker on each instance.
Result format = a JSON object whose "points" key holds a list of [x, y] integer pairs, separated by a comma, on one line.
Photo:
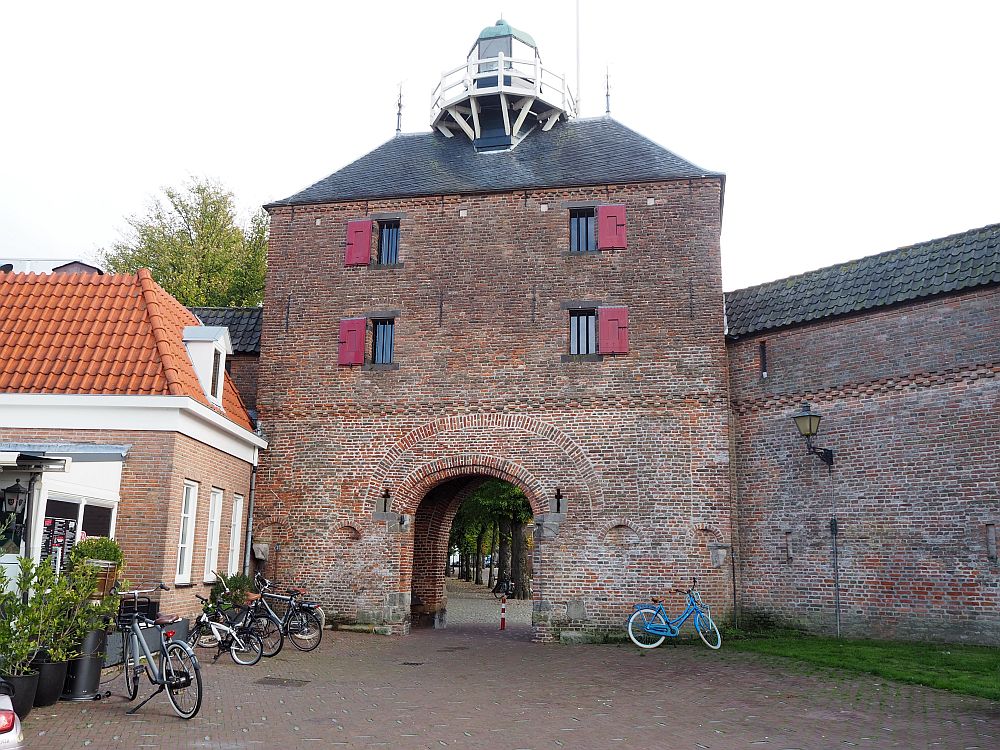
{"points": [[97, 548], [239, 586]]}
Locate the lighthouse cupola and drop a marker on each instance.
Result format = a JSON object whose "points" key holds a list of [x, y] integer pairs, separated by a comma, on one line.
{"points": [[501, 93]]}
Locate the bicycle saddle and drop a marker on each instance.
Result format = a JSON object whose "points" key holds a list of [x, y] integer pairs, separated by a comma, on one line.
{"points": [[657, 601], [163, 619], [296, 590], [251, 597]]}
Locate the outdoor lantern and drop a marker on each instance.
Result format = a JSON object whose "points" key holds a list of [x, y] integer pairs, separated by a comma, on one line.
{"points": [[15, 497], [808, 425], [807, 422]]}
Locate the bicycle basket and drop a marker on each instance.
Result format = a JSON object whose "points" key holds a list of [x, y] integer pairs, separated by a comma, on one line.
{"points": [[128, 607]]}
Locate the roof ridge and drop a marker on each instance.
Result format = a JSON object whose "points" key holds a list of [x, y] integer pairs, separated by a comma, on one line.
{"points": [[150, 291], [845, 263]]}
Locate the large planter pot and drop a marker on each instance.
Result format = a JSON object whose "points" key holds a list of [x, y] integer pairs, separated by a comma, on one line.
{"points": [[106, 578], [83, 678], [24, 692], [51, 678]]}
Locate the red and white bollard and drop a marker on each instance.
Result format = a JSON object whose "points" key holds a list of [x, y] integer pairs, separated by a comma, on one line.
{"points": [[503, 612]]}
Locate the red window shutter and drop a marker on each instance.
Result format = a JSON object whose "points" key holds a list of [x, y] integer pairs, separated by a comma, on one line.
{"points": [[611, 228], [359, 243], [612, 324], [352, 342]]}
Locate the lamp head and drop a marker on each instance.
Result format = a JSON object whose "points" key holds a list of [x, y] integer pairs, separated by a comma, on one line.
{"points": [[807, 422]]}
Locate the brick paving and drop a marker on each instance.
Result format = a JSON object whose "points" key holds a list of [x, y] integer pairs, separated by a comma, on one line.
{"points": [[471, 686]]}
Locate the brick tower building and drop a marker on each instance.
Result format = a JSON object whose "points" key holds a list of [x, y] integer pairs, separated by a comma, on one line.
{"points": [[517, 294]]}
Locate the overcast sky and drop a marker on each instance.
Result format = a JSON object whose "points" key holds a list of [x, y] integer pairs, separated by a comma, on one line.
{"points": [[845, 128]]}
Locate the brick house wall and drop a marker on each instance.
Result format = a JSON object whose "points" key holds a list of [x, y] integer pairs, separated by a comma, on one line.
{"points": [[908, 394], [637, 443], [148, 523]]}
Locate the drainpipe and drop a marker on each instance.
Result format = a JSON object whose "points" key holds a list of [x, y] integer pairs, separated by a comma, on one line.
{"points": [[249, 538]]}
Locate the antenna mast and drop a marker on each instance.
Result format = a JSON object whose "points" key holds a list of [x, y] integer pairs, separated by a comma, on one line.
{"points": [[607, 91], [578, 56], [399, 111]]}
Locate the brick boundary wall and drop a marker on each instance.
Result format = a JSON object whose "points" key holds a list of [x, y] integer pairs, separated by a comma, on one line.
{"points": [[908, 395]]}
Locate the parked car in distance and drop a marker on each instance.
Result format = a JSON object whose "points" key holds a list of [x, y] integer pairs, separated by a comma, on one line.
{"points": [[11, 736]]}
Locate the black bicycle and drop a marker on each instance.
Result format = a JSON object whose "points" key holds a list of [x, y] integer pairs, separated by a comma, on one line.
{"points": [[504, 587], [300, 623]]}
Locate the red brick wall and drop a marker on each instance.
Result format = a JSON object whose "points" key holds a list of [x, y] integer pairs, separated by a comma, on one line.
{"points": [[481, 389], [908, 396], [148, 524]]}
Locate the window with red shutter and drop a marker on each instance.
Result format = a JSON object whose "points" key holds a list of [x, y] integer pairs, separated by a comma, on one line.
{"points": [[352, 342], [611, 228], [359, 243], [612, 325]]}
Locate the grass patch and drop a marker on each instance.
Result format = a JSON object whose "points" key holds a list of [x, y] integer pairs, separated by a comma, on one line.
{"points": [[971, 670]]}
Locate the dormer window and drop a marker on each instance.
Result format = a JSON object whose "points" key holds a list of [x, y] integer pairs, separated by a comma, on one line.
{"points": [[208, 346]]}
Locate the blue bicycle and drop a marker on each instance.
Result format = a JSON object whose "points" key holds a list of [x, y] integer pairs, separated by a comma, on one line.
{"points": [[649, 625]]}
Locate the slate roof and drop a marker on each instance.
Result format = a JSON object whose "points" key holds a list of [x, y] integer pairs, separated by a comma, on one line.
{"points": [[949, 264], [244, 325], [589, 151], [111, 334]]}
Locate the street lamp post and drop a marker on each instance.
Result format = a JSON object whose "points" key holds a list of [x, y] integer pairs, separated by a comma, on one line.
{"points": [[807, 422]]}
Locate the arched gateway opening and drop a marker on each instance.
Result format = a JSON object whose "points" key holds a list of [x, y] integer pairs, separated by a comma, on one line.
{"points": [[486, 523]]}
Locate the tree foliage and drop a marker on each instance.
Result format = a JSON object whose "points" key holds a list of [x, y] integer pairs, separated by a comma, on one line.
{"points": [[195, 249], [494, 520]]}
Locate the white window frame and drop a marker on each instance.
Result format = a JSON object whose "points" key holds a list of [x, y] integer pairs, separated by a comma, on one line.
{"points": [[235, 534], [185, 541], [212, 536]]}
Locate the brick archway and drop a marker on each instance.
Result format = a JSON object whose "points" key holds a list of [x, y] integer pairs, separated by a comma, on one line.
{"points": [[433, 495]]}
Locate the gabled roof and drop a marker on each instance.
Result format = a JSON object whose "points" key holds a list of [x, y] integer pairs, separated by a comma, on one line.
{"points": [[592, 151], [244, 324], [85, 333], [949, 264]]}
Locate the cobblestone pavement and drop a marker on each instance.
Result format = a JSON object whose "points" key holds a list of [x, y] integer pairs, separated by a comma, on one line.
{"points": [[472, 686]]}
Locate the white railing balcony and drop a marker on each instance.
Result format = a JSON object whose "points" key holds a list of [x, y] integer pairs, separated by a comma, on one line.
{"points": [[521, 78]]}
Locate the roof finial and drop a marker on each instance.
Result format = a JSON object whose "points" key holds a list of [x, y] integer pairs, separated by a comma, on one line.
{"points": [[399, 111], [607, 91]]}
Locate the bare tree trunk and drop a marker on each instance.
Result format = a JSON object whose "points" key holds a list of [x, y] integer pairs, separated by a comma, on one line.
{"points": [[493, 555], [504, 549], [480, 537], [519, 567]]}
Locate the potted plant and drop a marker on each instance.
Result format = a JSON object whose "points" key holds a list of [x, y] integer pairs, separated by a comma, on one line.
{"points": [[67, 613], [104, 554], [20, 631], [239, 586]]}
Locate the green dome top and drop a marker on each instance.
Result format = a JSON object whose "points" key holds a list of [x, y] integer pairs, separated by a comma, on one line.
{"points": [[502, 28]]}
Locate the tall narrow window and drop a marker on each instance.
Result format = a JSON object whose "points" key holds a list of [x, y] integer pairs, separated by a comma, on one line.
{"points": [[581, 230], [763, 359], [185, 546], [583, 332], [388, 243], [235, 535], [216, 367], [382, 335], [212, 538]]}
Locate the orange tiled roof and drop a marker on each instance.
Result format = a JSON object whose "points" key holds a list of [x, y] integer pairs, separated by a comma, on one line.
{"points": [[87, 333]]}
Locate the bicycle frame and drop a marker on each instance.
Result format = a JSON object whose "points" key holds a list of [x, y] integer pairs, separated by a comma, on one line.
{"points": [[671, 627], [156, 673]]}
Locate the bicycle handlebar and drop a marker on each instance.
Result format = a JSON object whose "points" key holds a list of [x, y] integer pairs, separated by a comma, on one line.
{"points": [[161, 586]]}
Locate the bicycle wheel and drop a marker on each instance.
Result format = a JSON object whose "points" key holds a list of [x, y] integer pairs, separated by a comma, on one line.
{"points": [[131, 665], [707, 629], [201, 636], [246, 647], [183, 675], [637, 624], [305, 629], [270, 634], [503, 588]]}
